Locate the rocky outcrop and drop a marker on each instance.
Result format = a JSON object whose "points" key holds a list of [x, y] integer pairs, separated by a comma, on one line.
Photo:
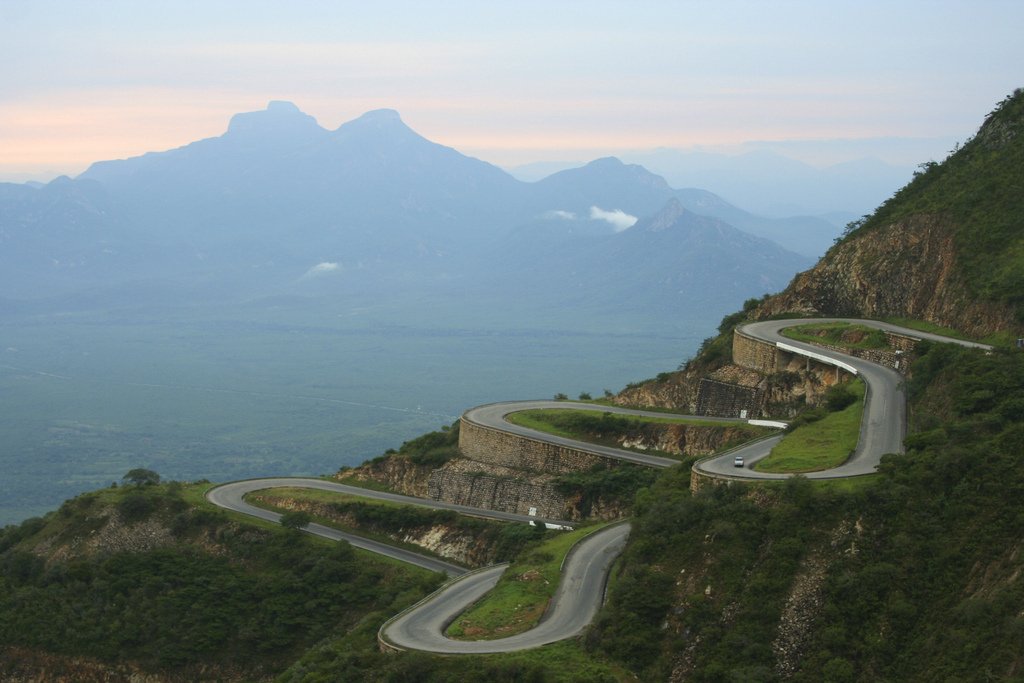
{"points": [[906, 269], [466, 481], [796, 623], [459, 544], [109, 534], [396, 473], [25, 665], [684, 439], [511, 473], [504, 449], [493, 487], [675, 391]]}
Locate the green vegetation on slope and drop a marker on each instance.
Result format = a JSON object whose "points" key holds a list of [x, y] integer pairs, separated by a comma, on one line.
{"points": [[202, 594], [979, 187], [390, 522], [522, 595], [912, 577], [845, 335], [607, 428], [822, 437], [606, 483], [356, 657], [432, 449]]}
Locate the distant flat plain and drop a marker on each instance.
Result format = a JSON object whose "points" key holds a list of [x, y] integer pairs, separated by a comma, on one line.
{"points": [[296, 387]]}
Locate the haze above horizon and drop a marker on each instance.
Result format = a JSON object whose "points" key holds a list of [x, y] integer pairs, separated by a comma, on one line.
{"points": [[510, 84]]}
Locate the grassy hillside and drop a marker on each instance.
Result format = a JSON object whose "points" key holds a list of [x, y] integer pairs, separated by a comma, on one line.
{"points": [[145, 577], [948, 248], [911, 575]]}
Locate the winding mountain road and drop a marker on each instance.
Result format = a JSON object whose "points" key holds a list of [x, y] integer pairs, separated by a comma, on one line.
{"points": [[580, 594], [585, 571], [494, 416], [884, 422]]}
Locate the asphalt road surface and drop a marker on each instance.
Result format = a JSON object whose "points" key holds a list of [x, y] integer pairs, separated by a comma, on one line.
{"points": [[493, 416], [580, 594], [882, 428]]}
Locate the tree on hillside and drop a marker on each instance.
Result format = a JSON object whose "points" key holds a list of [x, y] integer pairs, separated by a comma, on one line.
{"points": [[141, 476], [295, 519]]}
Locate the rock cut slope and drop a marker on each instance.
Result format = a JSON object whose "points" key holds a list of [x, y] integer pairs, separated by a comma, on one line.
{"points": [[947, 248]]}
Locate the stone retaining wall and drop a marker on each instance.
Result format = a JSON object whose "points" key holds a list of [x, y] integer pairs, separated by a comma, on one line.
{"points": [[753, 354], [497, 493], [724, 399], [767, 358], [522, 453], [700, 481], [901, 342]]}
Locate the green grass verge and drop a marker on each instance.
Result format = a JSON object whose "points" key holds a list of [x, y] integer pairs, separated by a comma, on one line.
{"points": [[563, 662], [320, 496], [369, 484], [847, 485], [531, 418], [519, 600], [603, 428], [925, 326], [842, 486], [822, 444], [837, 334]]}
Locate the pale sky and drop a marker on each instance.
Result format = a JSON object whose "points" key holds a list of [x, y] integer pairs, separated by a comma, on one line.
{"points": [[509, 82]]}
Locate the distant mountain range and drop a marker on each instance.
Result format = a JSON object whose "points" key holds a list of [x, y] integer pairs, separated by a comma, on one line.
{"points": [[278, 201], [765, 181]]}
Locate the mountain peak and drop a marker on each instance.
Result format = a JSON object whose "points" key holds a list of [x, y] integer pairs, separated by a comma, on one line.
{"points": [[606, 162], [279, 118], [381, 115], [613, 167], [666, 218], [386, 122]]}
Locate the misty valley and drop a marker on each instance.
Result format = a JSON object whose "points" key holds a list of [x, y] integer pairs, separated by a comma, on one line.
{"points": [[286, 300], [225, 394]]}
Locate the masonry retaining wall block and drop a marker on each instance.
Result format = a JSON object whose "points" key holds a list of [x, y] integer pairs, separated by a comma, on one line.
{"points": [[490, 446], [753, 354], [724, 399], [496, 493]]}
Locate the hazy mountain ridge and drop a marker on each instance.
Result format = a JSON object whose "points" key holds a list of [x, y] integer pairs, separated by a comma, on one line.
{"points": [[277, 194], [768, 182], [281, 261], [665, 261]]}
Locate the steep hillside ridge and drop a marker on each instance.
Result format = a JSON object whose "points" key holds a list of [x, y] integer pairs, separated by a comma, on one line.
{"points": [[508, 472], [947, 248], [144, 583]]}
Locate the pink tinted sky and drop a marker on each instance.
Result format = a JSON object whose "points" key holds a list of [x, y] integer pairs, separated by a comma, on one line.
{"points": [[511, 83]]}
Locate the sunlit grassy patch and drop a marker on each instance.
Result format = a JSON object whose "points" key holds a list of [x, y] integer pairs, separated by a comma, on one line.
{"points": [[822, 444], [522, 595]]}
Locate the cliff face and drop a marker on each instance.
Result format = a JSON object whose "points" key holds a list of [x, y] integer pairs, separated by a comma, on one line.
{"points": [[500, 471], [909, 268], [449, 540], [947, 248], [729, 390], [466, 481]]}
